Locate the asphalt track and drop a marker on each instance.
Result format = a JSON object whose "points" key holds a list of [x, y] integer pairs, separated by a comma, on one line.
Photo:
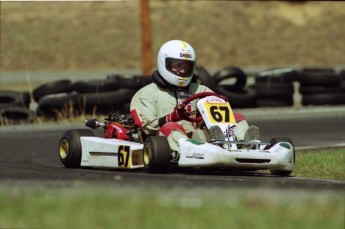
{"points": [[29, 154]]}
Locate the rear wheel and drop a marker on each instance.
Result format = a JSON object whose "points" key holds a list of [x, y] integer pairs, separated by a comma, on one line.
{"points": [[156, 154], [70, 147], [282, 172]]}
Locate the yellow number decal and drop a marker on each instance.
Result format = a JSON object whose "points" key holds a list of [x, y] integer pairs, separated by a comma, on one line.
{"points": [[219, 112], [123, 156]]}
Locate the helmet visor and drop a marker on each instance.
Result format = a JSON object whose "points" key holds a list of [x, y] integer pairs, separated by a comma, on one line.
{"points": [[183, 68]]}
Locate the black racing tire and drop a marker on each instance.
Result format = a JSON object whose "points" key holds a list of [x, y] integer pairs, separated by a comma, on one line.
{"points": [[14, 98], [70, 147], [156, 154], [324, 99], [239, 98], [278, 75], [283, 172], [93, 86], [202, 76], [324, 79], [16, 115], [274, 89], [231, 72], [55, 87]]}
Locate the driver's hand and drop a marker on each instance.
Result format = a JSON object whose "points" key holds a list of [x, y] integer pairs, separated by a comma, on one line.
{"points": [[178, 114]]}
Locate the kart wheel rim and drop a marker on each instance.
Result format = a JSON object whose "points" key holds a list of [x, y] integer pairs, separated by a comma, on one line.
{"points": [[146, 155], [63, 149]]}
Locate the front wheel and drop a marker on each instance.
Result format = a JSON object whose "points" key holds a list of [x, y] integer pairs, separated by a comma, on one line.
{"points": [[283, 172], [156, 154], [70, 147]]}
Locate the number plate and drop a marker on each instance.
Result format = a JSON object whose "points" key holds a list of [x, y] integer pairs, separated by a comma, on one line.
{"points": [[219, 112], [124, 156]]}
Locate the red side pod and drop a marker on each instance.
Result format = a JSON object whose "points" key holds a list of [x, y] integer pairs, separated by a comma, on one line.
{"points": [[116, 130], [239, 117]]}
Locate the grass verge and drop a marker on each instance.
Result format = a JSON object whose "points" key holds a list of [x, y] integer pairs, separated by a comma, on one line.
{"points": [[116, 207], [326, 164]]}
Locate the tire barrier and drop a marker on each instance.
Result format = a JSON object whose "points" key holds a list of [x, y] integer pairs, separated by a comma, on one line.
{"points": [[14, 98], [108, 101], [238, 95], [279, 75], [72, 104], [58, 105], [229, 73], [321, 86], [59, 86], [275, 87], [202, 76], [271, 88], [323, 78], [135, 82], [16, 115], [239, 98], [14, 107], [342, 82], [93, 86], [323, 99]]}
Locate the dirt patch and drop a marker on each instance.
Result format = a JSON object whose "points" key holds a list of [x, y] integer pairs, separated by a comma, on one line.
{"points": [[74, 36]]}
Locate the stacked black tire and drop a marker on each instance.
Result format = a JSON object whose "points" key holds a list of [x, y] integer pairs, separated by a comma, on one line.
{"points": [[322, 86], [231, 82], [275, 87], [14, 107], [64, 99], [272, 88]]}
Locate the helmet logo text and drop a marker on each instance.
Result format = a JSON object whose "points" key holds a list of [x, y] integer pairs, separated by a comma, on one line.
{"points": [[186, 55]]}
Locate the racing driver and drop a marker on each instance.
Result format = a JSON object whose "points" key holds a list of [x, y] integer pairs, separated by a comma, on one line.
{"points": [[154, 107]]}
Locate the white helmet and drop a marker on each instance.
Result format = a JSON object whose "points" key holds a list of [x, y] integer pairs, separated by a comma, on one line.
{"points": [[176, 62]]}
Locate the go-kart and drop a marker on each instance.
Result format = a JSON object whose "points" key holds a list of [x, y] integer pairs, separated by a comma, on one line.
{"points": [[125, 146]]}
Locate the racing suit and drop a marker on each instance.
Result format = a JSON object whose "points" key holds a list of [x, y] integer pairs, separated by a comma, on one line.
{"points": [[158, 99]]}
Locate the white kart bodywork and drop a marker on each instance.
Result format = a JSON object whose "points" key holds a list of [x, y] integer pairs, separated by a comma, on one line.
{"points": [[199, 154], [111, 153], [114, 153]]}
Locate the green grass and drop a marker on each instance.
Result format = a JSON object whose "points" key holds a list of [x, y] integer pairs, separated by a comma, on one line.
{"points": [[327, 164], [116, 207]]}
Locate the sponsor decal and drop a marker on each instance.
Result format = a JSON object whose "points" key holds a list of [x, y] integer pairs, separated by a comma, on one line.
{"points": [[230, 131], [195, 155], [186, 55], [278, 149], [118, 129]]}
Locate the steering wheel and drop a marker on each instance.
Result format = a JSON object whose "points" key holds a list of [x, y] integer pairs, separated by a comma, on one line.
{"points": [[194, 97]]}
